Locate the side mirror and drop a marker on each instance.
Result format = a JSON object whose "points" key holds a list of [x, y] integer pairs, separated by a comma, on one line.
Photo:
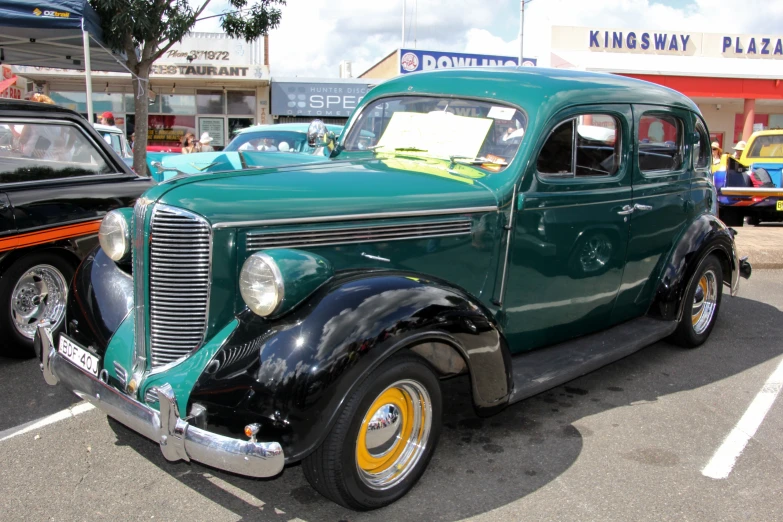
{"points": [[318, 136]]}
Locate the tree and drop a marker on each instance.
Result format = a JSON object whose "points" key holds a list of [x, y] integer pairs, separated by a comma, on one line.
{"points": [[146, 29]]}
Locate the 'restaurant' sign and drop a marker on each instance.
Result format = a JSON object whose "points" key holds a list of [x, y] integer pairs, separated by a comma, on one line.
{"points": [[198, 70], [412, 60], [316, 99]]}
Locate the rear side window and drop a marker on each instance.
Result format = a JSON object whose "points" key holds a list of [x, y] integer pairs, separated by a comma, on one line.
{"points": [[770, 146], [701, 150], [585, 146], [43, 151], [660, 143]]}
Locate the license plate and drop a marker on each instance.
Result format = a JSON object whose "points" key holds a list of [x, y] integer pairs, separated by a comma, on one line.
{"points": [[79, 356], [779, 205]]}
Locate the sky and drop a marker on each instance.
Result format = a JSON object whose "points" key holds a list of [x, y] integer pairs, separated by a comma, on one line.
{"points": [[314, 37]]}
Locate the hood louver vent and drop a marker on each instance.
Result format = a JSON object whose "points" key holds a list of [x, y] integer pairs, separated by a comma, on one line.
{"points": [[363, 234]]}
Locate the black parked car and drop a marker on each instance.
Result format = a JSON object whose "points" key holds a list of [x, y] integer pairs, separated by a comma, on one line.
{"points": [[58, 178]]}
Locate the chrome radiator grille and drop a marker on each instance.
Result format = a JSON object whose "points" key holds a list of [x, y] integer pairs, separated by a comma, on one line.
{"points": [[180, 252], [363, 234]]}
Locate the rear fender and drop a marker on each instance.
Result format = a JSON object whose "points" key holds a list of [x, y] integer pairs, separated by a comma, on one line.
{"points": [[706, 235], [291, 375]]}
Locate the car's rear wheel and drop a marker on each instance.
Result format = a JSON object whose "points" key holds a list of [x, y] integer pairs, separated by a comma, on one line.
{"points": [[33, 289], [753, 220], [383, 438], [702, 303], [732, 217]]}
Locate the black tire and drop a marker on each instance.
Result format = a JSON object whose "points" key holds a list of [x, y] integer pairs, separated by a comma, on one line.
{"points": [[333, 468], [15, 344], [691, 333], [753, 220]]}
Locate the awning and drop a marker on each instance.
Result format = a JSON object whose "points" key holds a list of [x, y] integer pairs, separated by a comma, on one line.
{"points": [[64, 34]]}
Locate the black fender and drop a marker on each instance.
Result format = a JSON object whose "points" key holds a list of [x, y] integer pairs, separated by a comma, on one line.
{"points": [[704, 236], [99, 298], [291, 375]]}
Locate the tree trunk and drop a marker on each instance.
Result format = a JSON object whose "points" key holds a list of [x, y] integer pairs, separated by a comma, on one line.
{"points": [[141, 93]]}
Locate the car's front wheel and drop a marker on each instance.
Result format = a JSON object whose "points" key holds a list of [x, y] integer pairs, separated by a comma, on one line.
{"points": [[33, 289], [702, 303], [383, 438]]}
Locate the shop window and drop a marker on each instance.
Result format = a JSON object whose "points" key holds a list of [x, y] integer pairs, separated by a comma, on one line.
{"points": [[701, 150], [101, 102], [130, 104], [178, 104], [241, 102], [660, 143], [40, 152], [166, 132], [582, 147], [237, 124], [210, 102]]}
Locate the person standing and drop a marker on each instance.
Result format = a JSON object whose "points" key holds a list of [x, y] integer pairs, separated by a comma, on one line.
{"points": [[189, 144], [205, 143], [738, 148], [107, 118], [717, 152]]}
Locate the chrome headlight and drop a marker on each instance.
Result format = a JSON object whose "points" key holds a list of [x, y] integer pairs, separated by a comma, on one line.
{"points": [[261, 284], [114, 235]]}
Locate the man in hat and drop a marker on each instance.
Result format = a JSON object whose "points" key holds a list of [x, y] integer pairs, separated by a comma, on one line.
{"points": [[107, 118], [204, 141], [738, 148]]}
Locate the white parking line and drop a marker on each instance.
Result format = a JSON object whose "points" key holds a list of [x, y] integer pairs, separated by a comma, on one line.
{"points": [[67, 413], [722, 462]]}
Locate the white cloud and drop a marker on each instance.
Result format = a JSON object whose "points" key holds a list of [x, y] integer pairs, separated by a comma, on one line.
{"points": [[314, 37]]}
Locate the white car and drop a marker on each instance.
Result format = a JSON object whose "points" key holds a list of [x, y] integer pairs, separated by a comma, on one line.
{"points": [[116, 139]]}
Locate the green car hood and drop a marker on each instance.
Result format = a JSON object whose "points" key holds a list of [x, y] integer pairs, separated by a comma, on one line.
{"points": [[330, 188], [222, 161]]}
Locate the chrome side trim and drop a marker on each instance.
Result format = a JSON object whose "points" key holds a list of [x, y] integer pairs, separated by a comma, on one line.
{"points": [[354, 217], [178, 439]]}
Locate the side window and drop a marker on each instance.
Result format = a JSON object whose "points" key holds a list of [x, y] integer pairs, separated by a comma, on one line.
{"points": [[701, 151], [660, 143], [42, 151], [580, 147]]}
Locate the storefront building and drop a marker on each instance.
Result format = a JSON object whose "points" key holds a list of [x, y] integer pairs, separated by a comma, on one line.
{"points": [[735, 79], [305, 99], [207, 83]]}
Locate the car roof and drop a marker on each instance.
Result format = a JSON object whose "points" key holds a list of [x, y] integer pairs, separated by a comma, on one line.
{"points": [[290, 127], [535, 89], [106, 128], [768, 132], [24, 105]]}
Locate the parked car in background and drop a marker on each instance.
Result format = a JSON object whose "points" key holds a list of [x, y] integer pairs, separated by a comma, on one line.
{"points": [[751, 187], [117, 141], [522, 226], [58, 179], [283, 138]]}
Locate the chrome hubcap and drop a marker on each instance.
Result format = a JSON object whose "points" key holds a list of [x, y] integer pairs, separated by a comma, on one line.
{"points": [[704, 302], [39, 295], [393, 434]]}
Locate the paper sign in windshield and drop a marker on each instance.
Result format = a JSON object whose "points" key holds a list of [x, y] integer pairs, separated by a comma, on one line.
{"points": [[437, 134], [501, 113]]}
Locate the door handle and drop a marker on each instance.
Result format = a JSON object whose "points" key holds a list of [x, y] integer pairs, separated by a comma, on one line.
{"points": [[627, 210], [637, 206]]}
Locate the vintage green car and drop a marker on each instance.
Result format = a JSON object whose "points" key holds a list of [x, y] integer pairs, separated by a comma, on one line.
{"points": [[523, 226]]}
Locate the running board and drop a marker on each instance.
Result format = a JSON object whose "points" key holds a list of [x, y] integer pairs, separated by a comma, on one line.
{"points": [[540, 370]]}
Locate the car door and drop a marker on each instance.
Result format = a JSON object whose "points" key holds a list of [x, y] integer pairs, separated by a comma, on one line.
{"points": [[662, 172], [7, 225], [59, 175], [571, 230]]}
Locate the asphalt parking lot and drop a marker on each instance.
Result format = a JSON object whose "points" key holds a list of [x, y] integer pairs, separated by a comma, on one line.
{"points": [[627, 442]]}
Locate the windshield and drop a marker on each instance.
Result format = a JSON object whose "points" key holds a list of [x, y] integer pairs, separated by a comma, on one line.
{"points": [[115, 140], [270, 141], [484, 133], [767, 147]]}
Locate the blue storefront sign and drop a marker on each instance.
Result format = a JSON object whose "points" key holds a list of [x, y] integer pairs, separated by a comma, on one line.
{"points": [[412, 60]]}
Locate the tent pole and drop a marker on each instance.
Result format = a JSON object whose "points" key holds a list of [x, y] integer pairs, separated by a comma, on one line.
{"points": [[87, 74]]}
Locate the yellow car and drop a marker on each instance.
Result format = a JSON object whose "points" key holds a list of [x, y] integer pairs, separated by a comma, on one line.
{"points": [[750, 186]]}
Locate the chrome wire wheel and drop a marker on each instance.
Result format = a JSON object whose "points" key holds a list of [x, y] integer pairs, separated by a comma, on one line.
{"points": [[704, 302], [393, 434], [39, 295]]}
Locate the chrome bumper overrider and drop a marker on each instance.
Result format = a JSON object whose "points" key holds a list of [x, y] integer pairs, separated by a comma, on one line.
{"points": [[178, 440]]}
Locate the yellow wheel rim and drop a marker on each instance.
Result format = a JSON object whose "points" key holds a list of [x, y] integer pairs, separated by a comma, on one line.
{"points": [[393, 434]]}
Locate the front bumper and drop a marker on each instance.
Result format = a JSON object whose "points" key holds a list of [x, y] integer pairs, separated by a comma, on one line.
{"points": [[178, 439]]}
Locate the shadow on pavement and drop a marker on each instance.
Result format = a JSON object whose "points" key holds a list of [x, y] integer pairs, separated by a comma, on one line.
{"points": [[485, 463]]}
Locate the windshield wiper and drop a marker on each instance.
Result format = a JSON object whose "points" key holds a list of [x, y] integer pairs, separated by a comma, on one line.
{"points": [[466, 160], [399, 149]]}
